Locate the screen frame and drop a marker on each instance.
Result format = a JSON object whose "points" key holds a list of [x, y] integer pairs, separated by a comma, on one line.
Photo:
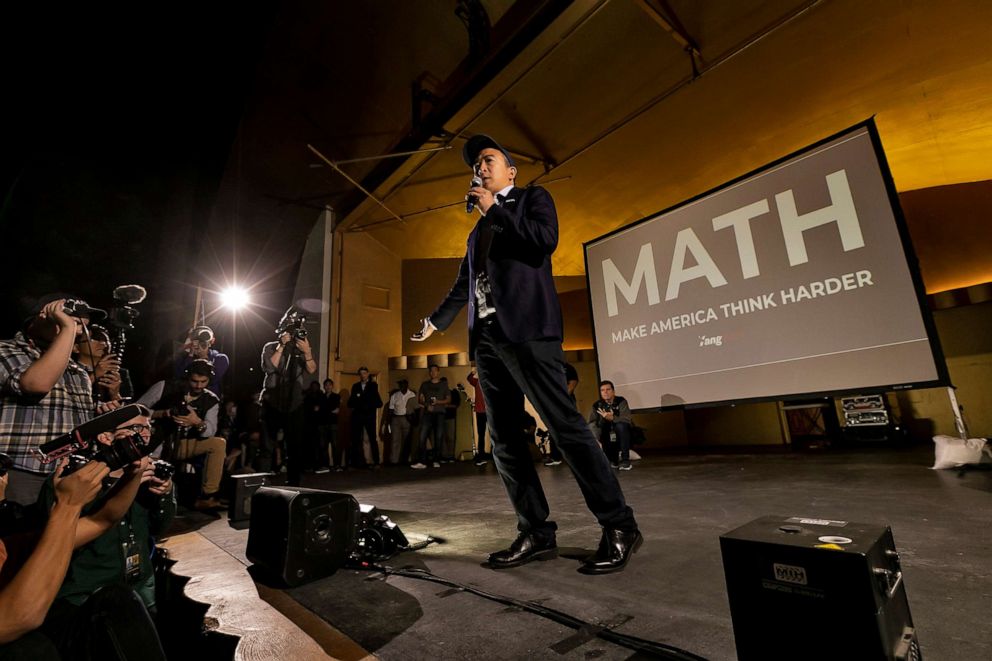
{"points": [[912, 263]]}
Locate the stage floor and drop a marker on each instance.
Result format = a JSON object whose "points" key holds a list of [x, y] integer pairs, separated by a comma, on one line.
{"points": [[673, 591]]}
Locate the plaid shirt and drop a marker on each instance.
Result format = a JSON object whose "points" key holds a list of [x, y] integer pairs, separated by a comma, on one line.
{"points": [[26, 420]]}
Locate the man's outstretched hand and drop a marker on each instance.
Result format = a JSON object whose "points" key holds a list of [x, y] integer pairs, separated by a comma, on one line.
{"points": [[425, 332]]}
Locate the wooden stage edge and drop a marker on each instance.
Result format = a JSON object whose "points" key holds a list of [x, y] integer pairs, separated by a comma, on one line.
{"points": [[270, 625]]}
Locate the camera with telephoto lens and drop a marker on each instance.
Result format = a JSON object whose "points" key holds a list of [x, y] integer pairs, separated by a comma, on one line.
{"points": [[294, 323], [121, 452], [164, 470], [81, 445]]}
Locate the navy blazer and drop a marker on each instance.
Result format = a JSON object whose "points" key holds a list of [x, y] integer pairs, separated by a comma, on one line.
{"points": [[525, 235]]}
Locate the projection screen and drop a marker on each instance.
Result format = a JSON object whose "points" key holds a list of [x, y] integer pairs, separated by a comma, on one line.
{"points": [[796, 279]]}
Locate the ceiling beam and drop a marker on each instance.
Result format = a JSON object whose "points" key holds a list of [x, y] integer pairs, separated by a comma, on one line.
{"points": [[662, 14], [523, 22]]}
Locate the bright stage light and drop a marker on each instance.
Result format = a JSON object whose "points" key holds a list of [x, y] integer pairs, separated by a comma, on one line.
{"points": [[234, 298]]}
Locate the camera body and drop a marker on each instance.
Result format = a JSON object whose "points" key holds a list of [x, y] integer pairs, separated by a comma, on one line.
{"points": [[294, 323], [164, 470], [75, 308], [607, 408], [121, 452], [6, 463], [179, 409]]}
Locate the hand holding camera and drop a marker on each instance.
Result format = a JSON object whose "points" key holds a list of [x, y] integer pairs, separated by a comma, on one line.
{"points": [[157, 475], [56, 311], [109, 363], [80, 487], [187, 418]]}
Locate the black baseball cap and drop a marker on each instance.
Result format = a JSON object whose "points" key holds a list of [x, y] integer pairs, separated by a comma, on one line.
{"points": [[475, 144], [198, 333], [78, 307]]}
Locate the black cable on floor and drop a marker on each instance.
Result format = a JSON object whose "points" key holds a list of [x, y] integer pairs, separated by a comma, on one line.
{"points": [[659, 650]]}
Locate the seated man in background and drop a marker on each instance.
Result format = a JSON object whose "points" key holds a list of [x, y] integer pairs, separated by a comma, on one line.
{"points": [[186, 415], [611, 413], [199, 346]]}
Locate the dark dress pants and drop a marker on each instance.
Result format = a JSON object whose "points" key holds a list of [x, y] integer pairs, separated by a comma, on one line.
{"points": [[293, 429], [363, 421], [480, 424], [537, 369]]}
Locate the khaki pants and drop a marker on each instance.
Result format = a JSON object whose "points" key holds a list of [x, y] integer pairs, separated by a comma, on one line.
{"points": [[216, 450]]}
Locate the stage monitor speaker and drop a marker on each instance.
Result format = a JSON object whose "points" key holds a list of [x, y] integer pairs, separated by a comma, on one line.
{"points": [[245, 486], [300, 535], [814, 589]]}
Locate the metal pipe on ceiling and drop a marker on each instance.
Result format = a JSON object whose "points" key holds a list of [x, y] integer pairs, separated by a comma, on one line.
{"points": [[488, 106]]}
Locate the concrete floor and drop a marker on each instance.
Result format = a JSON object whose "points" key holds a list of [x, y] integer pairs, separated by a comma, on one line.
{"points": [[673, 591]]}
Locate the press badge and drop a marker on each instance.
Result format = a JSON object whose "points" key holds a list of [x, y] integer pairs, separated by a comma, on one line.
{"points": [[132, 560]]}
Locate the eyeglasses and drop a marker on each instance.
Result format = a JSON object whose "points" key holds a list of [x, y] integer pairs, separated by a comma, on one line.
{"points": [[136, 428]]}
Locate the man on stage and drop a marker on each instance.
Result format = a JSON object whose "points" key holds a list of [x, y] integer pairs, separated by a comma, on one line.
{"points": [[515, 334]]}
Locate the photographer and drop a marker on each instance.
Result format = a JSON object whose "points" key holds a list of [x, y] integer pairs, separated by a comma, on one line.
{"points": [[199, 346], [43, 391], [287, 364], [32, 567], [110, 382], [611, 413], [186, 414], [98, 604]]}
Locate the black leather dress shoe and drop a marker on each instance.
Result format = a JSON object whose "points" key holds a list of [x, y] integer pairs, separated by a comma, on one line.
{"points": [[615, 549], [525, 547]]}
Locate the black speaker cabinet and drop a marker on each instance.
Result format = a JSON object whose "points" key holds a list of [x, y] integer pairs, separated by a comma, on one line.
{"points": [[803, 588], [300, 535], [245, 486]]}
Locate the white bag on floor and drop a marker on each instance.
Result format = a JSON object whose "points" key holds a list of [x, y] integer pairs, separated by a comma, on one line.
{"points": [[953, 452]]}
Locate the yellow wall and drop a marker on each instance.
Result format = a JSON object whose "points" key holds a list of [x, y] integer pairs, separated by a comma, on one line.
{"points": [[369, 334], [951, 233]]}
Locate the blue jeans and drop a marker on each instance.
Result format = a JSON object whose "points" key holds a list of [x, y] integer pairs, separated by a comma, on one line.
{"points": [[431, 423]]}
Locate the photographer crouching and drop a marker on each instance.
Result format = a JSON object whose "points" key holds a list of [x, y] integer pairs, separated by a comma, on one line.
{"points": [[97, 613], [185, 412]]}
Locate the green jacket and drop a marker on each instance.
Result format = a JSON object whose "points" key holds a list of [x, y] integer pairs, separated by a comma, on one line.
{"points": [[103, 561]]}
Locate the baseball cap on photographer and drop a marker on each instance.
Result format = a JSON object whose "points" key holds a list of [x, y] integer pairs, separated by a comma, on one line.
{"points": [[202, 334], [475, 144], [74, 307]]}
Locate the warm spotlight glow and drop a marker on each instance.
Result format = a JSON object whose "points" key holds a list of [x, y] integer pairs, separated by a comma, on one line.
{"points": [[234, 298]]}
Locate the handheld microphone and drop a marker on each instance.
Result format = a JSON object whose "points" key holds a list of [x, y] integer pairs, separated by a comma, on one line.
{"points": [[472, 199]]}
